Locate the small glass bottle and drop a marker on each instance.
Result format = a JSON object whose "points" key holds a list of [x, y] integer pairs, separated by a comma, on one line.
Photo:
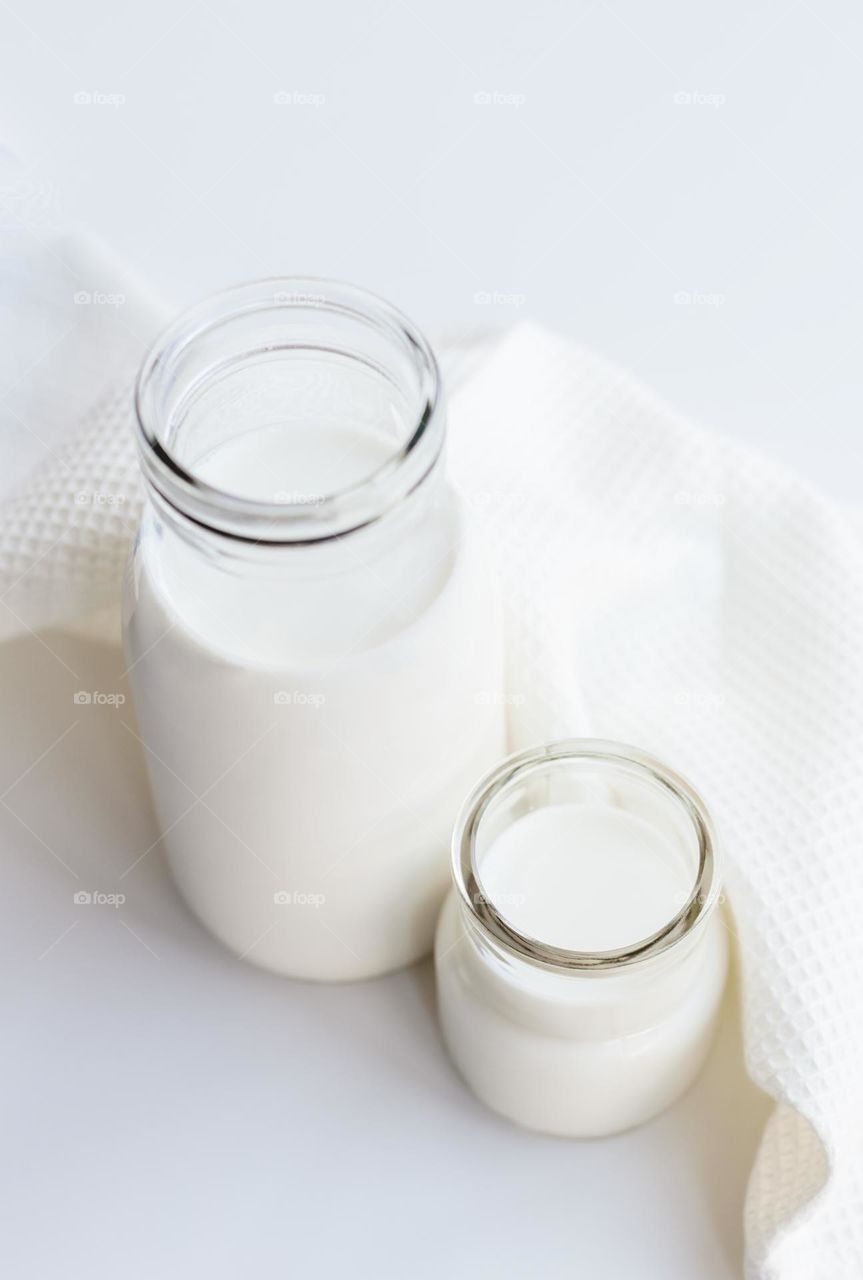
{"points": [[314, 644], [580, 839]]}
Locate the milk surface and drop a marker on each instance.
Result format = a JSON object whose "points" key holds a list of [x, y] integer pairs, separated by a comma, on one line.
{"points": [[303, 464], [585, 877]]}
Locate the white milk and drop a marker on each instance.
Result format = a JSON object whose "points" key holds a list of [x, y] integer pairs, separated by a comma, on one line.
{"points": [[586, 877], [305, 463], [578, 1052], [313, 716]]}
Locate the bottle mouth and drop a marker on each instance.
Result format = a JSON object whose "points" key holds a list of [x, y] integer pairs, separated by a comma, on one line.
{"points": [[544, 775], [288, 349]]}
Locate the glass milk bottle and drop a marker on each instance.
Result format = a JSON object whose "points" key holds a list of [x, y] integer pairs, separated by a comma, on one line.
{"points": [[314, 644], [581, 957]]}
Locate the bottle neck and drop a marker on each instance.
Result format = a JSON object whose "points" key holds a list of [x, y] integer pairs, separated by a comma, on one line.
{"points": [[289, 411], [591, 1003], [304, 603]]}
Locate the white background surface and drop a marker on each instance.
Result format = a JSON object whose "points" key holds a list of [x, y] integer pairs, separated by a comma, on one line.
{"points": [[167, 1107], [597, 200]]}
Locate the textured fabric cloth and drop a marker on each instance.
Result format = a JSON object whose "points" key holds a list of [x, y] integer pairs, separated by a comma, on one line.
{"points": [[663, 587], [709, 606]]}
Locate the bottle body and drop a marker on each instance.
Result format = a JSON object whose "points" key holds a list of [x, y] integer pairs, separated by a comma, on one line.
{"points": [[577, 1055]]}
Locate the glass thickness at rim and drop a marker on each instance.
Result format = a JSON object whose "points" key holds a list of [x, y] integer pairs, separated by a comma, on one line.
{"points": [[298, 523], [522, 764]]}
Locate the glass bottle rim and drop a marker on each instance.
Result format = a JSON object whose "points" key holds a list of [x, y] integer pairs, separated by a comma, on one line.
{"points": [[322, 517], [694, 911]]}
